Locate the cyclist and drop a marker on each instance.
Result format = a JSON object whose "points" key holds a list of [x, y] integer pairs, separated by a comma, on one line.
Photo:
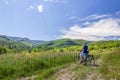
{"points": [[84, 53]]}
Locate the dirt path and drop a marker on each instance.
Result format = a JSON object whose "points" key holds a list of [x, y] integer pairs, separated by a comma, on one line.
{"points": [[76, 71], [27, 78], [65, 73]]}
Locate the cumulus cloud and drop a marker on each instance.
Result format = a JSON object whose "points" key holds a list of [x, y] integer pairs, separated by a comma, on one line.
{"points": [[94, 16], [86, 23], [72, 17], [30, 8], [94, 31], [40, 8]]}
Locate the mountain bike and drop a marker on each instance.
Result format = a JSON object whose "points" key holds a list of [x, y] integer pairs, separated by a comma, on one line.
{"points": [[89, 59]]}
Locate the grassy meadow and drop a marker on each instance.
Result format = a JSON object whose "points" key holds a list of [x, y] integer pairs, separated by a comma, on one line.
{"points": [[14, 66], [19, 65], [110, 67]]}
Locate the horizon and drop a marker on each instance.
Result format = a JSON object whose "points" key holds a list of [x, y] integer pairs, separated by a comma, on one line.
{"points": [[48, 20], [58, 39]]}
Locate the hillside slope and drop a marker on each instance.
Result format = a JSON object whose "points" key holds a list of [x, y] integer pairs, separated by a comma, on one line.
{"points": [[12, 46], [23, 40], [63, 43]]}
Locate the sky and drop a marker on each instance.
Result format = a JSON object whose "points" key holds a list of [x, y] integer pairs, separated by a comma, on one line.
{"points": [[91, 20]]}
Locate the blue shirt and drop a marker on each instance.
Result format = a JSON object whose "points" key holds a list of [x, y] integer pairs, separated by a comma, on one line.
{"points": [[85, 48]]}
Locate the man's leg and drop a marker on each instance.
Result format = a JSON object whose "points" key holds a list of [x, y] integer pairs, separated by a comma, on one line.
{"points": [[85, 59], [81, 58]]}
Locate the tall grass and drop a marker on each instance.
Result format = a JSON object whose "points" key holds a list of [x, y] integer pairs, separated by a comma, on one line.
{"points": [[18, 65], [111, 65]]}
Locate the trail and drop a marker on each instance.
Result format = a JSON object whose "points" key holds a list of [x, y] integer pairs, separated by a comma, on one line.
{"points": [[74, 71], [65, 73], [27, 78], [70, 72]]}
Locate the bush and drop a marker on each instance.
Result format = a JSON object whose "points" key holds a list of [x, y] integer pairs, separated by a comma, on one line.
{"points": [[3, 50]]}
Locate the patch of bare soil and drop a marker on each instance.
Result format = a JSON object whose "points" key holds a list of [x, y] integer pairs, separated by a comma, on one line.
{"points": [[94, 76], [66, 74], [27, 78]]}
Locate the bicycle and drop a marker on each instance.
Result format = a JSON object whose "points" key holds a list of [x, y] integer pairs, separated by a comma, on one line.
{"points": [[89, 59]]}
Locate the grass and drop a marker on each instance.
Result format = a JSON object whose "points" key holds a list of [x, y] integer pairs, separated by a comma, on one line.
{"points": [[110, 67], [47, 73], [45, 64], [19, 65], [81, 71]]}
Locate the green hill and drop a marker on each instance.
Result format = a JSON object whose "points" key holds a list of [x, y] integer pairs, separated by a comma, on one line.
{"points": [[23, 40], [19, 44], [76, 45], [12, 46], [63, 43]]}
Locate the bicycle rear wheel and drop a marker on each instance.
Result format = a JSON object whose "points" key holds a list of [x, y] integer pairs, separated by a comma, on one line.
{"points": [[90, 60], [93, 60]]}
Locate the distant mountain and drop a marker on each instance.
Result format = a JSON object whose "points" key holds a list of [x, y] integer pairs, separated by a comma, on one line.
{"points": [[12, 46], [23, 40], [17, 44], [55, 43], [63, 43]]}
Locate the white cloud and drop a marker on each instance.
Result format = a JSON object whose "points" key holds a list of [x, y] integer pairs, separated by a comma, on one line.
{"points": [[40, 8], [86, 23], [94, 16], [95, 30], [30, 8], [72, 17]]}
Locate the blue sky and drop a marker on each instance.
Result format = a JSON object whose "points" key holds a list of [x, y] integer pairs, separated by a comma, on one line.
{"points": [[56, 19]]}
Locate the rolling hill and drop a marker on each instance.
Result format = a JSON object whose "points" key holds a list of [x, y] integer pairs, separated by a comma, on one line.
{"points": [[63, 43], [19, 44], [23, 40]]}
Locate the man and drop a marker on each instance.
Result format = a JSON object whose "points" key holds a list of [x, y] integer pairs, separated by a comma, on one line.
{"points": [[84, 53]]}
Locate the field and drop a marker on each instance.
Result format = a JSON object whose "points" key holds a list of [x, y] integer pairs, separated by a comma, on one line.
{"points": [[46, 65], [20, 65]]}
